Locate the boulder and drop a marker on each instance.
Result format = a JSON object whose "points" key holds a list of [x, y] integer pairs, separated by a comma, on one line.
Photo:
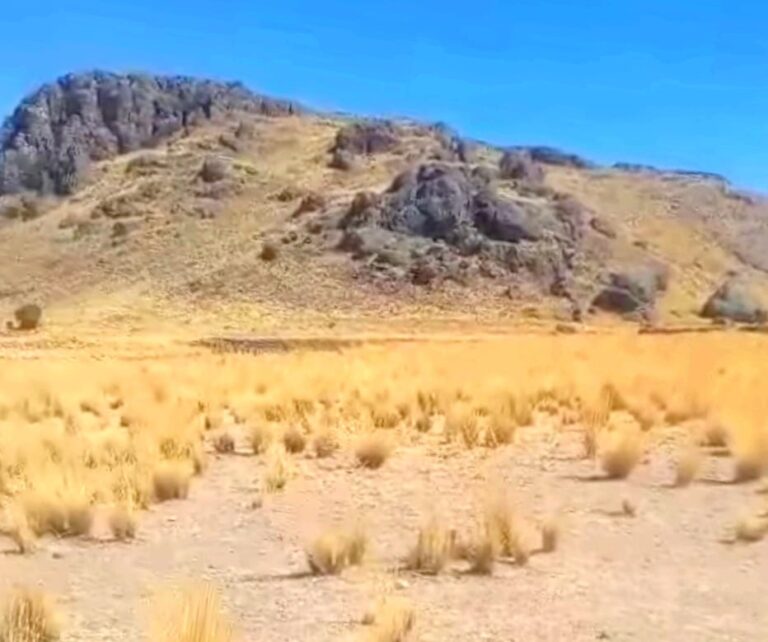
{"points": [[633, 290], [28, 316], [343, 160], [368, 137], [519, 166], [214, 169], [734, 301]]}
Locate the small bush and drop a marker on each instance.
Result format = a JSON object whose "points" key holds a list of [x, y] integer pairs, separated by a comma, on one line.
{"points": [[269, 251], [433, 550], [171, 481], [621, 453], [261, 437], [224, 443], [190, 614], [335, 550], [393, 621], [28, 316], [373, 450], [751, 529], [122, 523], [294, 440], [278, 470], [29, 616], [325, 444], [688, 465]]}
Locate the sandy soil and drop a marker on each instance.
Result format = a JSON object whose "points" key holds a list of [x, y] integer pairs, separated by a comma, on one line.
{"points": [[663, 574]]}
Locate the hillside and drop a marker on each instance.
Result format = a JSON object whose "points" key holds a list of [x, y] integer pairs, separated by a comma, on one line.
{"points": [[134, 200]]}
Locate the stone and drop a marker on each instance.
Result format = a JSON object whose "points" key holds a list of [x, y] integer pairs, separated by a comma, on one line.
{"points": [[734, 301]]}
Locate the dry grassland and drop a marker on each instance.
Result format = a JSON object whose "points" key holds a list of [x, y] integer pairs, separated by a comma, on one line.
{"points": [[86, 445]]}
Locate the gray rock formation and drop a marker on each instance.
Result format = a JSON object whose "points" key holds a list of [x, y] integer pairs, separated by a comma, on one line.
{"points": [[47, 144], [734, 301]]}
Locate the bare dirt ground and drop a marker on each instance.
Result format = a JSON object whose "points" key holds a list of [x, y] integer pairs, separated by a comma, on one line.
{"points": [[662, 574]]}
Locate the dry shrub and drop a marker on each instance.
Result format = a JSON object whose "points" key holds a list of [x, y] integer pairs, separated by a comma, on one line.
{"points": [[481, 553], [224, 443], [325, 444], [16, 527], [621, 452], [278, 469], [45, 514], [504, 528], [433, 550], [392, 621], [190, 614], [751, 529], [260, 437], [501, 429], [462, 423], [335, 550], [79, 517], [122, 523], [294, 440], [628, 508], [171, 481], [29, 616], [373, 450], [550, 535], [688, 465]]}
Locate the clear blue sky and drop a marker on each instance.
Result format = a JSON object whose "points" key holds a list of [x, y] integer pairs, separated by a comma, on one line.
{"points": [[677, 83]]}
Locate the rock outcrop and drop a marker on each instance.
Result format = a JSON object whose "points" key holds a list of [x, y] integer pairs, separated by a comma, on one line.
{"points": [[53, 136], [734, 301]]}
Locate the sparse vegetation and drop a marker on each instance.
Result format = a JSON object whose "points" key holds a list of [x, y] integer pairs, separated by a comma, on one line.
{"points": [[433, 549], [190, 614], [122, 523], [621, 452], [337, 549], [29, 616], [373, 450], [392, 621]]}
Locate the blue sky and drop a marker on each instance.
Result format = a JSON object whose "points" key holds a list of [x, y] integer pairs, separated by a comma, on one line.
{"points": [[676, 83]]}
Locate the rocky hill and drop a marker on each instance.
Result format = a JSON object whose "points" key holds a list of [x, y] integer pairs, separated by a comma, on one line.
{"points": [[130, 198]]}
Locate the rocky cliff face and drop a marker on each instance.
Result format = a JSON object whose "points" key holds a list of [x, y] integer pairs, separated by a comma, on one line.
{"points": [[54, 134]]}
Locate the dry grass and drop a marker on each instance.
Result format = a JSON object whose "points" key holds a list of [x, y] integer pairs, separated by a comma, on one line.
{"points": [[751, 529], [373, 450], [433, 549], [325, 444], [621, 452], [122, 523], [392, 621], [505, 528], [29, 616], [171, 481], [75, 436], [337, 549], [224, 443], [294, 440], [190, 614], [279, 469], [688, 465]]}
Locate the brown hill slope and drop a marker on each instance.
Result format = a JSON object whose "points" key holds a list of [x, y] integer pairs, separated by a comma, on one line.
{"points": [[180, 232]]}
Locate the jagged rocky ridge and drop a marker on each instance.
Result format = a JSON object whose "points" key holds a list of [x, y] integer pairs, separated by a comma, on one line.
{"points": [[49, 141]]}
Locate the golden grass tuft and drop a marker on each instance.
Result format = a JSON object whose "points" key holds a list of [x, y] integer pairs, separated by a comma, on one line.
{"points": [[337, 549], [122, 523], [688, 465], [751, 529], [481, 553], [325, 444], [224, 443], [504, 527], [29, 616], [260, 438], [392, 621], [294, 440], [279, 469], [373, 450], [621, 452], [171, 481], [190, 614], [433, 549], [550, 535]]}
